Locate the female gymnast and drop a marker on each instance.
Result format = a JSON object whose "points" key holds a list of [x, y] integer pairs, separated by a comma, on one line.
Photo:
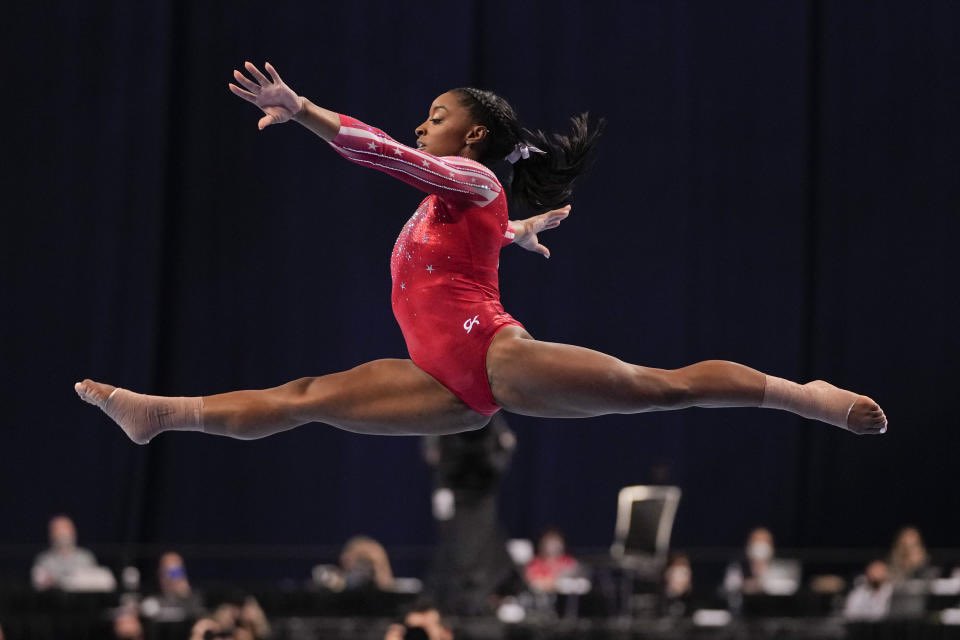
{"points": [[468, 357]]}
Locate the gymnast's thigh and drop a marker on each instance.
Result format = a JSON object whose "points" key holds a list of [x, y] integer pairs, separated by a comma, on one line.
{"points": [[387, 397], [552, 380]]}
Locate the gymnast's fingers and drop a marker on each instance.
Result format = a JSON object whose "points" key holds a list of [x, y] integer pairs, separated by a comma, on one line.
{"points": [[256, 73], [246, 95], [553, 218], [266, 121], [247, 83], [273, 73], [553, 222]]}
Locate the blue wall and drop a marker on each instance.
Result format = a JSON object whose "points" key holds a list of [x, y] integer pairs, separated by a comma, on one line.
{"points": [[778, 186]]}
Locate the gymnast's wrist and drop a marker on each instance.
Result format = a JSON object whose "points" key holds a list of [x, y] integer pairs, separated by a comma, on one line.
{"points": [[302, 113], [323, 122]]}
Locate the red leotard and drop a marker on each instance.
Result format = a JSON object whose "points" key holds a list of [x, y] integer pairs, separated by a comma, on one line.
{"points": [[446, 295]]}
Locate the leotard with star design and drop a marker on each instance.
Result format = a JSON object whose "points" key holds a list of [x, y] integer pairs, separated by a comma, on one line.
{"points": [[446, 292]]}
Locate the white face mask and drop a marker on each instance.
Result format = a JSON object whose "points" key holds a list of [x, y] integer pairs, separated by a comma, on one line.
{"points": [[63, 540], [760, 551]]}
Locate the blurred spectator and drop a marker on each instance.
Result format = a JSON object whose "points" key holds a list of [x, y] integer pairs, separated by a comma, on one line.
{"points": [[470, 568], [908, 557], [64, 560], [759, 571], [677, 576], [677, 585], [911, 574], [364, 563], [253, 617], [176, 600], [759, 552], [208, 628], [551, 562], [126, 625], [423, 622], [870, 598], [244, 619]]}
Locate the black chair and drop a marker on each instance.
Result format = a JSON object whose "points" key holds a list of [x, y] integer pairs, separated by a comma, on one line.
{"points": [[645, 515]]}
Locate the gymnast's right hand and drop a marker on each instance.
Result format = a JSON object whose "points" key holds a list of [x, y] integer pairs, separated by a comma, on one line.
{"points": [[278, 101]]}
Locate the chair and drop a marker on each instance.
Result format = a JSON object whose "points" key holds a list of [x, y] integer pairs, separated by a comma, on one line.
{"points": [[645, 515]]}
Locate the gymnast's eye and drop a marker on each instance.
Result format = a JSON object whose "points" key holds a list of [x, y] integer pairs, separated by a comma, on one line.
{"points": [[436, 120]]}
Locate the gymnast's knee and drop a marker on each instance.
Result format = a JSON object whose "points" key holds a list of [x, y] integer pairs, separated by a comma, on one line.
{"points": [[663, 388], [293, 390], [302, 397]]}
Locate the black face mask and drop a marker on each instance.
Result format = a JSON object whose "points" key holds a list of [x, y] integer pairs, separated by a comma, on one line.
{"points": [[415, 633]]}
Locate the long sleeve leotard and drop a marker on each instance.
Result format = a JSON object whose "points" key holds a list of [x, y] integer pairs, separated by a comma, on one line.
{"points": [[446, 293]]}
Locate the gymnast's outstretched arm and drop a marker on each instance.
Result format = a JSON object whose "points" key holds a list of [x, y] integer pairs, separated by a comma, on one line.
{"points": [[450, 177], [280, 103]]}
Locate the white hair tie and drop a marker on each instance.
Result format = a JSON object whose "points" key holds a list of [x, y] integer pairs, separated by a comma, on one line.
{"points": [[521, 152]]}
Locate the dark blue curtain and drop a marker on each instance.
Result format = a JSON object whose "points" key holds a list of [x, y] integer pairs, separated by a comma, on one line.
{"points": [[778, 186]]}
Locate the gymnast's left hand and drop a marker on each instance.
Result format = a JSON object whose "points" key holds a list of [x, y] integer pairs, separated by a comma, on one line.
{"points": [[277, 100], [525, 231]]}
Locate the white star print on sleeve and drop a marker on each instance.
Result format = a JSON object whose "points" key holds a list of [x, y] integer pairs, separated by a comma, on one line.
{"points": [[448, 177]]}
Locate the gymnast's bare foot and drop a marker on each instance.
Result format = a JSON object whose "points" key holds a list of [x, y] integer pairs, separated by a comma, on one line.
{"points": [[820, 400], [140, 416], [96, 393], [866, 416], [102, 396]]}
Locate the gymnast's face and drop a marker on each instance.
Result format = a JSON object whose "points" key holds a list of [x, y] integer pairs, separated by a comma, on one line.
{"points": [[449, 129]]}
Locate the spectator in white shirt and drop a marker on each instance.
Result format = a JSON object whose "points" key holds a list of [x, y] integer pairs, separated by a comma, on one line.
{"points": [[870, 598]]}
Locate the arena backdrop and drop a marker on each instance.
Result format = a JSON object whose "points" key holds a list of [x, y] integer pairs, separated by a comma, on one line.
{"points": [[778, 185]]}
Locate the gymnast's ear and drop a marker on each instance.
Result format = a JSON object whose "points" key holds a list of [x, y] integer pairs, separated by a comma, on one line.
{"points": [[476, 134]]}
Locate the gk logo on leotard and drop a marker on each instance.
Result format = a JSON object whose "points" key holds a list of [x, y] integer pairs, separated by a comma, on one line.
{"points": [[468, 325]]}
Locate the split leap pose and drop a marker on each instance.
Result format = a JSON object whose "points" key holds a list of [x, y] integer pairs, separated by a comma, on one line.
{"points": [[468, 357]]}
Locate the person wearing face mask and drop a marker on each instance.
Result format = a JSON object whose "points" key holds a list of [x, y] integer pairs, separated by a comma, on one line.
{"points": [[64, 559], [759, 553], [870, 598], [177, 600], [551, 563], [759, 571]]}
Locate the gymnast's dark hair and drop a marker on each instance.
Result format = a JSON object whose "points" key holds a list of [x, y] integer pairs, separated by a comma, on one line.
{"points": [[544, 180]]}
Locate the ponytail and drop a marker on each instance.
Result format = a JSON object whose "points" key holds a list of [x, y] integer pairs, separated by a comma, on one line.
{"points": [[545, 180], [544, 177]]}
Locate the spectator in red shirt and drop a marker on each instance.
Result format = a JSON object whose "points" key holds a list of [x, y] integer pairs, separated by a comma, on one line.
{"points": [[551, 563]]}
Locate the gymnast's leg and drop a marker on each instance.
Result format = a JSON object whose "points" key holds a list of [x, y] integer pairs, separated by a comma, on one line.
{"points": [[384, 397], [546, 379]]}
